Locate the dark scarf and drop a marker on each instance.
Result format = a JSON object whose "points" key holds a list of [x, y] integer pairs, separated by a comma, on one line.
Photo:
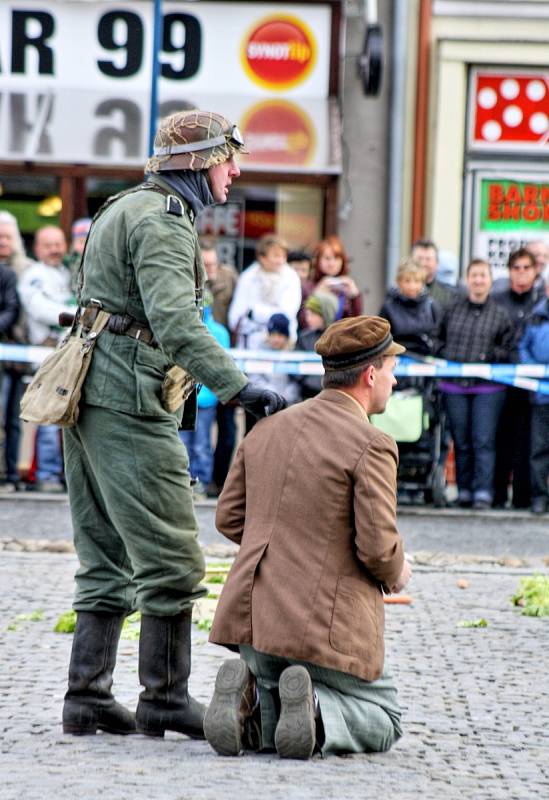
{"points": [[191, 185]]}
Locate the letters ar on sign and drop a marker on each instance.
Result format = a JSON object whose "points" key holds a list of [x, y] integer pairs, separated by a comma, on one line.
{"points": [[120, 34]]}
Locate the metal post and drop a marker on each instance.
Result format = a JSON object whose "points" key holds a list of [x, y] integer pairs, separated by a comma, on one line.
{"points": [[397, 140], [155, 70], [371, 12]]}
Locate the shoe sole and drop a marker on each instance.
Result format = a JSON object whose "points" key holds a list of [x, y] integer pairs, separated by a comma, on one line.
{"points": [[222, 723], [75, 730], [296, 728]]}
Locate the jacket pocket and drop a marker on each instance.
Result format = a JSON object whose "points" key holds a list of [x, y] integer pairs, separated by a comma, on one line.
{"points": [[150, 369], [357, 619]]}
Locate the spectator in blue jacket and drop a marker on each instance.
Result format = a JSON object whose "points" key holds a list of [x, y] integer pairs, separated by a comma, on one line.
{"points": [[199, 441], [534, 348]]}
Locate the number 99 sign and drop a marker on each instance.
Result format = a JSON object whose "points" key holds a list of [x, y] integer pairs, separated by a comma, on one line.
{"points": [[38, 36]]}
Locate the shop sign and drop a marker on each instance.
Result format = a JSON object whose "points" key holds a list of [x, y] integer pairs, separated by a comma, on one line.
{"points": [[514, 205], [510, 212], [279, 132], [248, 49], [226, 223], [279, 52], [80, 127], [509, 110], [75, 79]]}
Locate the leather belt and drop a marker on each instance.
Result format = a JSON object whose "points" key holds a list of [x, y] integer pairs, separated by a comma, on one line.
{"points": [[136, 330], [121, 325]]}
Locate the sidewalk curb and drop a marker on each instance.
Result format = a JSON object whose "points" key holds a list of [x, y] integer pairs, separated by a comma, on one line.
{"points": [[423, 560], [402, 511]]}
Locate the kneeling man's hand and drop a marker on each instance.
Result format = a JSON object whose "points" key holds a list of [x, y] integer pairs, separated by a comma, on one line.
{"points": [[403, 578]]}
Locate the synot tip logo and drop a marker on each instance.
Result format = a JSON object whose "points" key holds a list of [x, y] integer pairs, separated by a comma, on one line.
{"points": [[279, 52]]}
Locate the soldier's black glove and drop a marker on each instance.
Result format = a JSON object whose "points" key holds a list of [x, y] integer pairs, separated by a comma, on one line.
{"points": [[260, 402]]}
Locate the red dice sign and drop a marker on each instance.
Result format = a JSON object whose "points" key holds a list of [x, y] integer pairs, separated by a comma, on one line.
{"points": [[511, 110]]}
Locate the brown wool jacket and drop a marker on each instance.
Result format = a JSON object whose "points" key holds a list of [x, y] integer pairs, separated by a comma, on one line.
{"points": [[310, 498]]}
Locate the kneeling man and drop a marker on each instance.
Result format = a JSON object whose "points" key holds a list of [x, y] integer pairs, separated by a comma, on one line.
{"points": [[311, 500]]}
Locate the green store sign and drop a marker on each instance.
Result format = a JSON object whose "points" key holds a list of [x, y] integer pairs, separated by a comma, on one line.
{"points": [[508, 205]]}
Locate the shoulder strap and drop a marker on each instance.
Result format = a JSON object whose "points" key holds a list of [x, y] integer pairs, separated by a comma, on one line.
{"points": [[100, 211], [153, 187]]}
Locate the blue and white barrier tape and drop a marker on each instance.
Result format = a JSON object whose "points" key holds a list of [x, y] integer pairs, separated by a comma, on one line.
{"points": [[294, 362], [523, 376]]}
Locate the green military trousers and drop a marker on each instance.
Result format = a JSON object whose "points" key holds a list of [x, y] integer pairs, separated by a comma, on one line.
{"points": [[358, 716], [135, 531]]}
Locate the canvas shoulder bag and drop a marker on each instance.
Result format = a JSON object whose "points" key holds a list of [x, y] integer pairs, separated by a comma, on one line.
{"points": [[53, 396]]}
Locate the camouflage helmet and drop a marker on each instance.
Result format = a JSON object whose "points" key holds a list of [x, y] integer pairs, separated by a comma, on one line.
{"points": [[194, 140]]}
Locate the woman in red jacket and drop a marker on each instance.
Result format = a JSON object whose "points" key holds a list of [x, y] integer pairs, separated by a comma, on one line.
{"points": [[331, 273]]}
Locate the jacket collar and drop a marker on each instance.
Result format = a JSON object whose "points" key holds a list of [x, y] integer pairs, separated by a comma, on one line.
{"points": [[345, 401], [157, 180]]}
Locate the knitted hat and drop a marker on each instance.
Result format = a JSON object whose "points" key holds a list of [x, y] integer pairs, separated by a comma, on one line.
{"points": [[353, 341], [279, 323], [325, 304], [80, 227]]}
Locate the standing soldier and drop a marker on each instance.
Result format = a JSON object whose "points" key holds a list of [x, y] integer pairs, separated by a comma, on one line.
{"points": [[127, 471]]}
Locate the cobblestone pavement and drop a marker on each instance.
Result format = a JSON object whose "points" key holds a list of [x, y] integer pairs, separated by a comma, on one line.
{"points": [[31, 521], [475, 703]]}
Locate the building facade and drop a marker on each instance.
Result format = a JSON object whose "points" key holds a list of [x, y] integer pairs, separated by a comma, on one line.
{"points": [[452, 147]]}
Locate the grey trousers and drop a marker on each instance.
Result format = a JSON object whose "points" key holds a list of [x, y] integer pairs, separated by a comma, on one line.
{"points": [[358, 716]]}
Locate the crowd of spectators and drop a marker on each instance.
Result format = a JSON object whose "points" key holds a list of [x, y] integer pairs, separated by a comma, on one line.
{"points": [[497, 449], [284, 301], [33, 293]]}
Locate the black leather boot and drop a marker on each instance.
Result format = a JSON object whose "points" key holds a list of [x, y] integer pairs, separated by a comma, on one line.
{"points": [[89, 705], [164, 668]]}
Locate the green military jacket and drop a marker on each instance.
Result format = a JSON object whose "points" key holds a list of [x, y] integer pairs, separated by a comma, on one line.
{"points": [[140, 260]]}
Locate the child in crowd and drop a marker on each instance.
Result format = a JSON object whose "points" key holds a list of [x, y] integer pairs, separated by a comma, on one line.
{"points": [[534, 349], [268, 286], [301, 262], [320, 310], [413, 314], [277, 338], [199, 441]]}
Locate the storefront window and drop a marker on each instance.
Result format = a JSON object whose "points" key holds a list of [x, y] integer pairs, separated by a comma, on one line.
{"points": [[99, 189], [34, 201], [292, 211]]}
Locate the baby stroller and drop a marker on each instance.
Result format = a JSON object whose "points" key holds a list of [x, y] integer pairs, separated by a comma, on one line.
{"points": [[414, 418]]}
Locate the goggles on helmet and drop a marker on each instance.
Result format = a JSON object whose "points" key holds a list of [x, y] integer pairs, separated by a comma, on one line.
{"points": [[233, 137]]}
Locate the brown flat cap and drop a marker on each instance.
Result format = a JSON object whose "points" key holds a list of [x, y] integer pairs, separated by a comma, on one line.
{"points": [[350, 342]]}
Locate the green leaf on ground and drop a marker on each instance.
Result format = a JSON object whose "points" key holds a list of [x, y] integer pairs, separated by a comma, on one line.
{"points": [[66, 622], [131, 626], [473, 623], [33, 616], [532, 595], [205, 624]]}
